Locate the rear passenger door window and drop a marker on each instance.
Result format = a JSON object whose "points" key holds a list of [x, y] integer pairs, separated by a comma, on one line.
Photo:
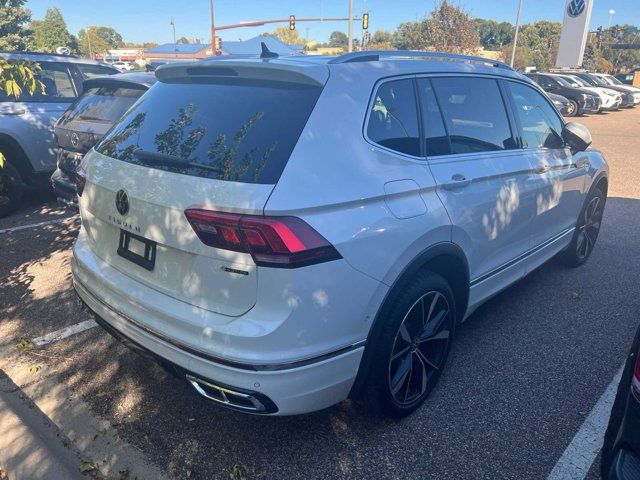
{"points": [[474, 114], [435, 135], [541, 126], [393, 119]]}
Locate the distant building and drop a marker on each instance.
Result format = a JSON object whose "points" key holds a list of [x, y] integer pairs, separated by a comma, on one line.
{"points": [[242, 47], [121, 54]]}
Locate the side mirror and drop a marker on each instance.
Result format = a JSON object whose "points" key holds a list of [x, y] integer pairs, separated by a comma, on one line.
{"points": [[577, 136]]}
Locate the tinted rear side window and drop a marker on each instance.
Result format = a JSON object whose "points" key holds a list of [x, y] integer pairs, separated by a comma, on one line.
{"points": [[435, 136], [393, 120], [474, 113], [235, 129], [102, 105]]}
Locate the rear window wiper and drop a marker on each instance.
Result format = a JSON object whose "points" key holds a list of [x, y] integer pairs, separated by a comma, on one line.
{"points": [[169, 160], [95, 119]]}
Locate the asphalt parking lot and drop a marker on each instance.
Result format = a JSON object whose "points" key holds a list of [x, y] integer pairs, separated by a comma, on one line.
{"points": [[526, 371]]}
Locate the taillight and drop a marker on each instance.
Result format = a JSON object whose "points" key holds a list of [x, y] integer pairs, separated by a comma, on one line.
{"points": [[81, 179], [635, 383], [284, 242]]}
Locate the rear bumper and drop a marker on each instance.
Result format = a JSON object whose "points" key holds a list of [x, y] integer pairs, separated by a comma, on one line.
{"points": [[270, 364], [64, 188], [303, 389]]}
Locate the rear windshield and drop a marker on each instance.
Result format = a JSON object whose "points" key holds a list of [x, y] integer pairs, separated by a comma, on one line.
{"points": [[241, 130], [102, 105]]}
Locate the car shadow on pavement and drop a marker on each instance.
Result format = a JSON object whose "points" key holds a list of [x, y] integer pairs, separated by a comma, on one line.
{"points": [[498, 378]]}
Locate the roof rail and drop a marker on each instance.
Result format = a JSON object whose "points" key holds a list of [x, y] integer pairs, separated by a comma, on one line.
{"points": [[20, 52], [374, 56]]}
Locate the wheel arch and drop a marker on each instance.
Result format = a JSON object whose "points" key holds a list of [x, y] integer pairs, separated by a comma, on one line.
{"points": [[12, 149], [446, 259]]}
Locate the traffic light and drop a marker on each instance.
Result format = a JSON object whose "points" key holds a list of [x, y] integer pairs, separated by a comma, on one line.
{"points": [[292, 22], [218, 43], [365, 21]]}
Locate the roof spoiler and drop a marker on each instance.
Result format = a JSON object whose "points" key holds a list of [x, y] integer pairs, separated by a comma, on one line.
{"points": [[257, 69]]}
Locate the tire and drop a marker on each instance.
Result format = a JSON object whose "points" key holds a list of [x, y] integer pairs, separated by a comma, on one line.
{"points": [[587, 230], [572, 109], [11, 188], [410, 353]]}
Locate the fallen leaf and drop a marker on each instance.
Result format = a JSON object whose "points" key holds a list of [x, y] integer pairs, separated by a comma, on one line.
{"points": [[34, 368], [24, 345], [575, 295], [87, 466], [238, 472]]}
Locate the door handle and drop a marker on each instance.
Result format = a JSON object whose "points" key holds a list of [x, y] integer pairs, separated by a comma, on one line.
{"points": [[457, 181], [12, 111]]}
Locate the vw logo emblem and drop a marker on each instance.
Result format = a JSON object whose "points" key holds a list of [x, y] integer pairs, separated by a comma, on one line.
{"points": [[74, 139], [122, 202], [576, 7]]}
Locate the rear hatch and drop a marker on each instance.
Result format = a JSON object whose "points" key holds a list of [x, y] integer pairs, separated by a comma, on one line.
{"points": [[213, 137]]}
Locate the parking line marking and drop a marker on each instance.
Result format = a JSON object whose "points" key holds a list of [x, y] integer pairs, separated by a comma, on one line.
{"points": [[34, 225], [576, 461], [64, 333]]}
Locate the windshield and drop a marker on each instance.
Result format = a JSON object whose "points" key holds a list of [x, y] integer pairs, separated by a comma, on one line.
{"points": [[102, 104], [613, 80], [577, 81], [562, 81], [233, 129], [598, 81]]}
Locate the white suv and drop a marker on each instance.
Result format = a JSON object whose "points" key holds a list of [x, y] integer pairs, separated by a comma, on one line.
{"points": [[284, 233]]}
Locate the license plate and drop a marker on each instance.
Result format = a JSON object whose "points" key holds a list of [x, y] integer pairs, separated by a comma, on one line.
{"points": [[137, 249]]}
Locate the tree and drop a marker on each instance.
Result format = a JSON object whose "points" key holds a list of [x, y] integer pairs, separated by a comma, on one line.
{"points": [[382, 40], [338, 39], [494, 35], [542, 39], [51, 32], [14, 34], [98, 40], [284, 34], [447, 29], [621, 60], [17, 75], [184, 40]]}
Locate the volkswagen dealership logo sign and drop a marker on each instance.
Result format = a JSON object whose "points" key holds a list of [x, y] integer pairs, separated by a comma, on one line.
{"points": [[576, 7], [122, 202]]}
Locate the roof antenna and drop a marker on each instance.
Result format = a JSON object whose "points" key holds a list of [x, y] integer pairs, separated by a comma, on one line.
{"points": [[266, 53]]}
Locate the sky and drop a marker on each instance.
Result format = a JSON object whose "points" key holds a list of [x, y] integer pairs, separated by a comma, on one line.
{"points": [[149, 20]]}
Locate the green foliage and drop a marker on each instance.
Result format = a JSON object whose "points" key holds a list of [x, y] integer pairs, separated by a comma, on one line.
{"points": [[621, 60], [17, 75], [494, 35], [98, 40], [284, 34], [338, 39], [448, 28], [14, 34], [51, 32]]}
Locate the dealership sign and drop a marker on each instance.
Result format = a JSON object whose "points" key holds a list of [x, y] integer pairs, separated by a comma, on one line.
{"points": [[575, 30]]}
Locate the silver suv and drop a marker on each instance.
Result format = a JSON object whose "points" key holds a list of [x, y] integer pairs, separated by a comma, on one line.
{"points": [[26, 123], [285, 233]]}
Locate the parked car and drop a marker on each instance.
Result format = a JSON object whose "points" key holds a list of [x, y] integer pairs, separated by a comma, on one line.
{"points": [[123, 66], [611, 100], [613, 81], [104, 101], [620, 459], [269, 229], [563, 104], [581, 102], [626, 78], [628, 98], [26, 123]]}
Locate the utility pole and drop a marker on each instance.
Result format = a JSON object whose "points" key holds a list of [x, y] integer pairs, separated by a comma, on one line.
{"points": [[350, 25], [515, 38], [213, 32], [175, 45]]}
